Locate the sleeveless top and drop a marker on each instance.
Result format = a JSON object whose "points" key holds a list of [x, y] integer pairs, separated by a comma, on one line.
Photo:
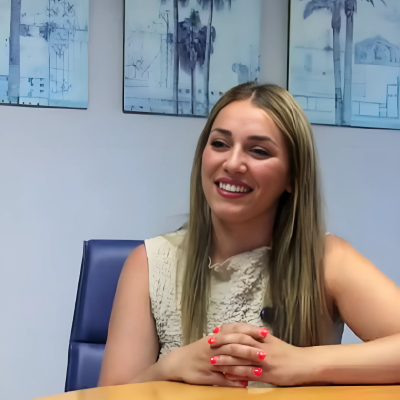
{"points": [[237, 290]]}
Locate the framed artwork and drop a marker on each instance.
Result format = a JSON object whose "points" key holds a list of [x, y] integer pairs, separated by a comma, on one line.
{"points": [[344, 61], [44, 53], [180, 56]]}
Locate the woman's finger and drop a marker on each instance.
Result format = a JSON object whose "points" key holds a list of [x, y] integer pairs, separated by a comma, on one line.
{"points": [[219, 379], [253, 354], [251, 373], [229, 360], [256, 332], [232, 377], [238, 338]]}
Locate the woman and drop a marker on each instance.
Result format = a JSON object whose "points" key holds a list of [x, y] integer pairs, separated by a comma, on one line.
{"points": [[255, 241]]}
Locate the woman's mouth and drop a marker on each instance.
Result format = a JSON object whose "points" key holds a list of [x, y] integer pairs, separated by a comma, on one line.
{"points": [[232, 191]]}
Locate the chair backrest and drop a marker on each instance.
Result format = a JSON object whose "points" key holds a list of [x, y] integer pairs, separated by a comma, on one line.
{"points": [[102, 262]]}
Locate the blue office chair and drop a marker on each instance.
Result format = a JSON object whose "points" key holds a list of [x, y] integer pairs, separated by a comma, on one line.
{"points": [[102, 262]]}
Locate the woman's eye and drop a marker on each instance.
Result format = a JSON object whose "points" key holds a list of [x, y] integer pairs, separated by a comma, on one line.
{"points": [[261, 152], [217, 143]]}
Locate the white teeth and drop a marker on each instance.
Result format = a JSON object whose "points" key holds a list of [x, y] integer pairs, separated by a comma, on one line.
{"points": [[233, 188]]}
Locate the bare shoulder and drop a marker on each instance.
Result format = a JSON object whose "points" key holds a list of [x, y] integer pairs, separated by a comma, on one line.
{"points": [[133, 284], [135, 267], [341, 259], [134, 278], [137, 259], [133, 281], [334, 252], [335, 246], [365, 298], [342, 265], [131, 324]]}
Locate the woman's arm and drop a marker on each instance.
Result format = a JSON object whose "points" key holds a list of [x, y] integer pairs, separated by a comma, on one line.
{"points": [[132, 344], [367, 300], [374, 363], [369, 303]]}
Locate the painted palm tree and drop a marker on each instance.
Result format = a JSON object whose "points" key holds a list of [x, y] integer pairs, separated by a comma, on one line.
{"points": [[192, 49], [176, 57], [211, 35], [176, 50], [14, 71], [335, 7], [350, 7]]}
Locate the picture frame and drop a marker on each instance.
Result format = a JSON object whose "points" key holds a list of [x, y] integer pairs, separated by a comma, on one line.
{"points": [[160, 80], [344, 69], [46, 57]]}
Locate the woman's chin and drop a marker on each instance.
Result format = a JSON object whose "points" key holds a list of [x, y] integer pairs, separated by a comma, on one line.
{"points": [[232, 217]]}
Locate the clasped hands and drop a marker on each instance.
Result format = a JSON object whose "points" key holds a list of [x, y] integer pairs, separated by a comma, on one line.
{"points": [[238, 353]]}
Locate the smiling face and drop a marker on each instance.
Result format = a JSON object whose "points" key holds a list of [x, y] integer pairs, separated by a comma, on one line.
{"points": [[245, 149]]}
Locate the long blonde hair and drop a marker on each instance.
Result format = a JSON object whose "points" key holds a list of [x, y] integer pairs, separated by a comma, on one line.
{"points": [[295, 263]]}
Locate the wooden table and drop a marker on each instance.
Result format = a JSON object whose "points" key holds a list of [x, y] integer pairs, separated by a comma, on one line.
{"points": [[179, 391]]}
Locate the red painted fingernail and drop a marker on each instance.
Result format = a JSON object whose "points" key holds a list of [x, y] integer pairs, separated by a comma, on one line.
{"points": [[264, 332], [212, 340], [244, 383], [216, 329], [261, 355], [257, 371], [213, 360]]}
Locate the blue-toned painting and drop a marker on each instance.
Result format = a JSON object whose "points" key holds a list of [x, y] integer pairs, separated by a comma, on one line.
{"points": [[44, 52], [344, 61], [182, 55]]}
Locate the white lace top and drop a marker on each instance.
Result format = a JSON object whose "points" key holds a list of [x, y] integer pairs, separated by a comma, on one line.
{"points": [[237, 291]]}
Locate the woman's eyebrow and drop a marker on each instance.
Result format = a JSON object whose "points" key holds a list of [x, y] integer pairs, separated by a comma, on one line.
{"points": [[253, 137]]}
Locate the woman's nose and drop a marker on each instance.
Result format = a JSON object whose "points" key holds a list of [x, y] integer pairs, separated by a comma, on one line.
{"points": [[235, 162]]}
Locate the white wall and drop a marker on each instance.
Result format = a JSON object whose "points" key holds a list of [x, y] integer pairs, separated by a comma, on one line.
{"points": [[68, 176]]}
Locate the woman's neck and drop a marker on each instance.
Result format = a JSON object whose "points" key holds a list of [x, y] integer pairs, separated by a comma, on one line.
{"points": [[230, 239]]}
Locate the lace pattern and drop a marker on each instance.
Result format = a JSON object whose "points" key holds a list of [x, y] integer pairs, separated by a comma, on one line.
{"points": [[236, 291]]}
